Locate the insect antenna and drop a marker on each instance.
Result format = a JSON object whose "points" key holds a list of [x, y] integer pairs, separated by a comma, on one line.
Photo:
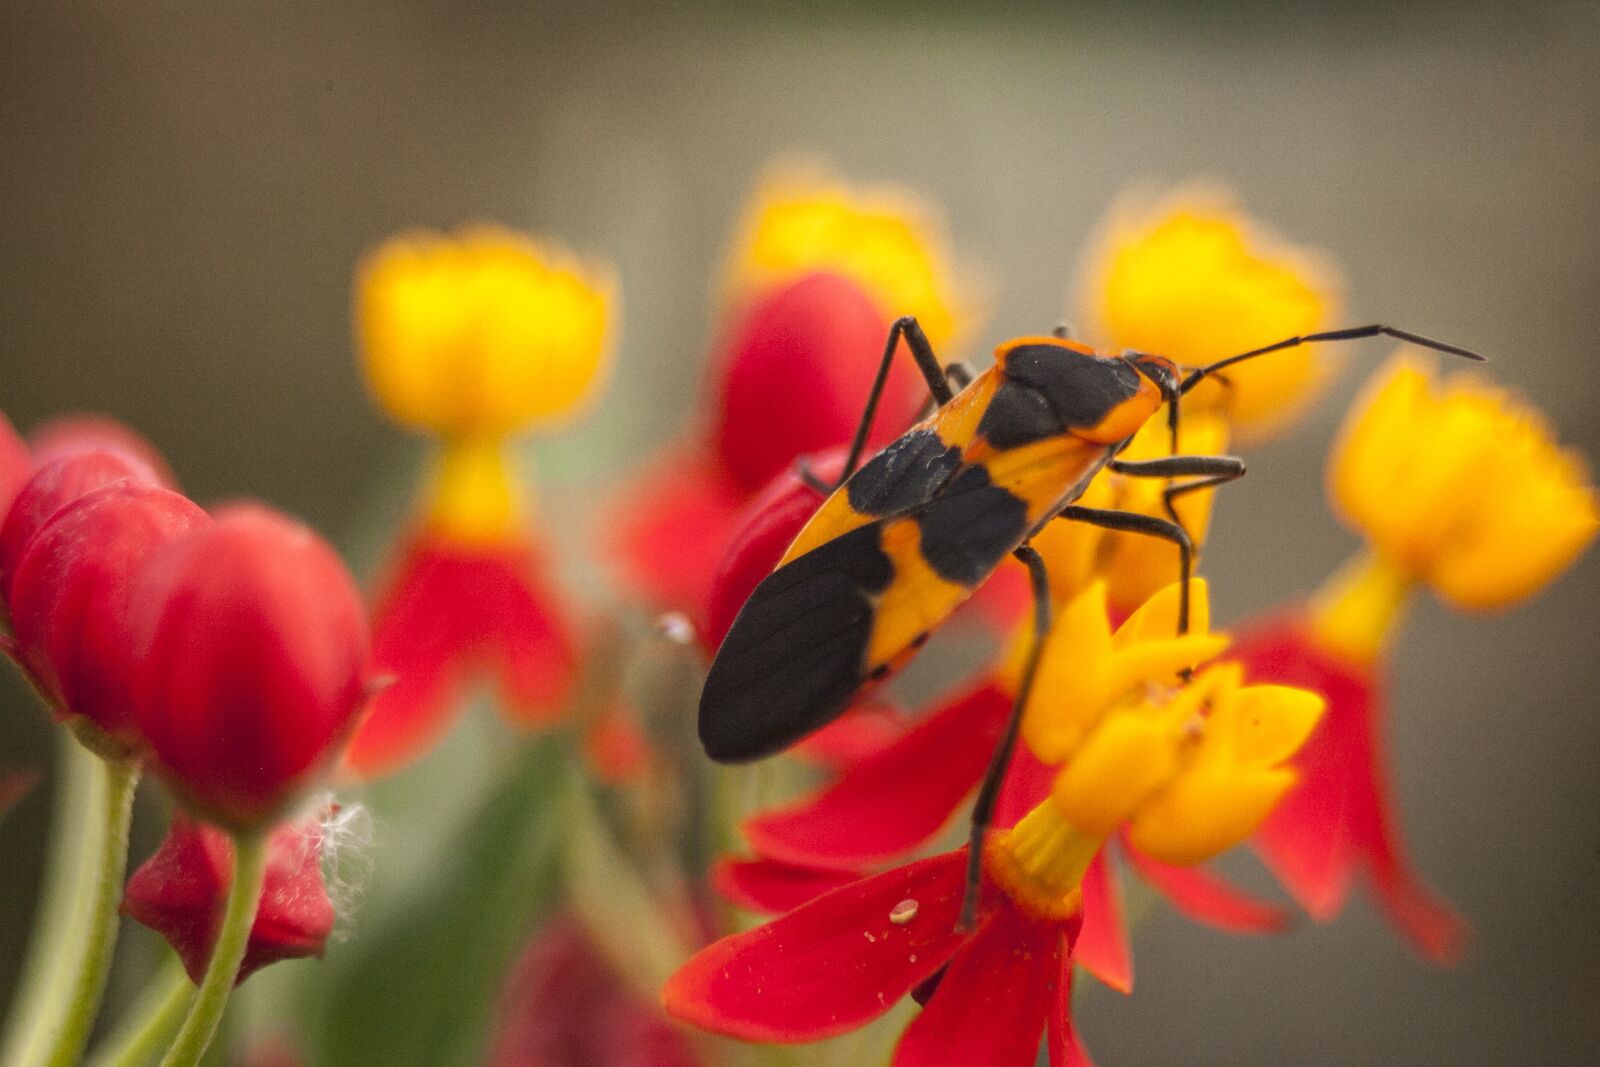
{"points": [[1351, 333]]}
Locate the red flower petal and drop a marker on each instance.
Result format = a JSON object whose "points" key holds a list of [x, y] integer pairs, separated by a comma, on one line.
{"points": [[1064, 1047], [1103, 948], [862, 731], [992, 1003], [772, 888], [830, 965], [452, 611], [895, 800], [1206, 898], [795, 372], [671, 528], [1340, 815], [1028, 781]]}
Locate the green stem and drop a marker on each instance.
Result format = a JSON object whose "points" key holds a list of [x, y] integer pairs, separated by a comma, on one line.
{"points": [[104, 882], [150, 1023], [205, 1012], [56, 929]]}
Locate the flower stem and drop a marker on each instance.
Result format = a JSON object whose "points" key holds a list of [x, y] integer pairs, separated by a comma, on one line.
{"points": [[150, 1023], [104, 879], [57, 931], [205, 1012]]}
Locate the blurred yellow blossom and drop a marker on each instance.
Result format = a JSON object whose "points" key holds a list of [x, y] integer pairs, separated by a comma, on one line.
{"points": [[1192, 277], [803, 218], [473, 337], [1190, 767], [482, 333], [1458, 484]]}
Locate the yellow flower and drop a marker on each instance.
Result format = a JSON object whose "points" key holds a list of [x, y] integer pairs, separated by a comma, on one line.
{"points": [[1190, 767], [482, 333], [803, 218], [474, 337], [1134, 566], [1459, 485], [1190, 276]]}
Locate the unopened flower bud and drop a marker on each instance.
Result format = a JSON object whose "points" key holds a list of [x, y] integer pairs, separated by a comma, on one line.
{"points": [[254, 660], [72, 594]]}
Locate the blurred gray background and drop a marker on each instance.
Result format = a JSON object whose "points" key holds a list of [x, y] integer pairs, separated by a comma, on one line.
{"points": [[184, 191]]}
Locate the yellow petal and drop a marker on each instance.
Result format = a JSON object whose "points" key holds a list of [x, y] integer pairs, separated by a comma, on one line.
{"points": [[1207, 811], [1071, 689], [1462, 486], [1157, 618], [1266, 724], [1191, 277], [480, 333], [803, 218], [1126, 758]]}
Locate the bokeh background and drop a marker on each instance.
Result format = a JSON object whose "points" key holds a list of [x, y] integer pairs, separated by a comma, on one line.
{"points": [[184, 192]]}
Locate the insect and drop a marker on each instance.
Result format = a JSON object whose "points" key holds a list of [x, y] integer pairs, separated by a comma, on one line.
{"points": [[902, 540]]}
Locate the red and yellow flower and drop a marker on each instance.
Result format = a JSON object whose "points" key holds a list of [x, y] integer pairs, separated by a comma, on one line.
{"points": [[472, 339], [815, 276], [1190, 276], [1454, 485]]}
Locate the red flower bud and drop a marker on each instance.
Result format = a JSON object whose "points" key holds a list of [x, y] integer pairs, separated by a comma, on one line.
{"points": [[72, 589], [795, 375], [53, 486], [14, 464], [182, 891], [764, 530], [66, 435], [254, 660]]}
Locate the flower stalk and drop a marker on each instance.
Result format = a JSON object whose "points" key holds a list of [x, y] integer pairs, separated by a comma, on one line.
{"points": [[250, 866], [151, 1023]]}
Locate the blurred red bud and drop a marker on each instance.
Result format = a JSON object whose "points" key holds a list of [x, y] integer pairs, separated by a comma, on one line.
{"points": [[65, 435], [72, 590], [53, 485], [15, 463], [254, 661], [764, 530], [795, 375], [182, 891]]}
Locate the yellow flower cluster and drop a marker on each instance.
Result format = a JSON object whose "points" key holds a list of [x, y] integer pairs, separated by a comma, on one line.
{"points": [[474, 337], [1191, 277], [1457, 484], [1190, 767], [802, 219]]}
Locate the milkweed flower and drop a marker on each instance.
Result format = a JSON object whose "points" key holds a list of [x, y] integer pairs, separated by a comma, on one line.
{"points": [[1190, 783], [1190, 276], [253, 662], [72, 595], [814, 276], [473, 339], [846, 957], [1454, 485], [181, 891], [564, 1005]]}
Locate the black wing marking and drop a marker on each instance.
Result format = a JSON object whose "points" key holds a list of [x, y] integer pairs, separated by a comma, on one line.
{"points": [[794, 656]]}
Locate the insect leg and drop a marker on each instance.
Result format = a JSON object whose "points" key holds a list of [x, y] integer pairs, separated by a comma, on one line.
{"points": [[1149, 525], [959, 375], [994, 777], [1211, 470], [917, 342]]}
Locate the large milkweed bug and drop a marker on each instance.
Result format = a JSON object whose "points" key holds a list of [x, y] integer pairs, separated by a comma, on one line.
{"points": [[902, 540]]}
